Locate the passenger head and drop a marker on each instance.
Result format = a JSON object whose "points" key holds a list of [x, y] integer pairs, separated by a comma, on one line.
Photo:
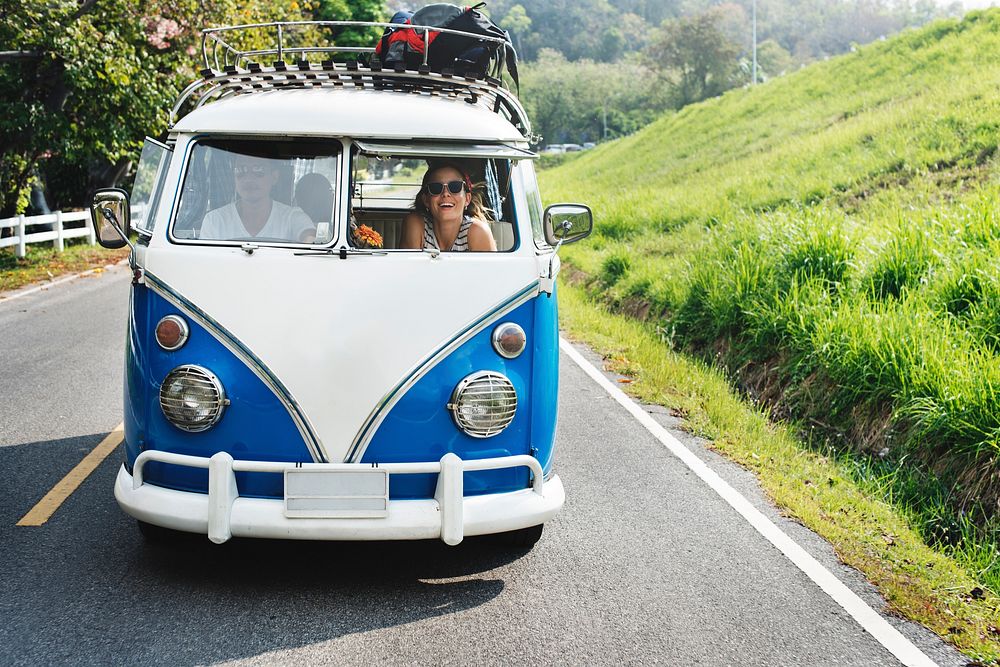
{"points": [[439, 191], [314, 195]]}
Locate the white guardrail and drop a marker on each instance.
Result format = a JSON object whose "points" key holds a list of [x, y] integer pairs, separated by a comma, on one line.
{"points": [[57, 234]]}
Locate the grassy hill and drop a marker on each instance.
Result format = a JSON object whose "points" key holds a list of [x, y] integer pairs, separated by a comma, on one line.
{"points": [[832, 239]]}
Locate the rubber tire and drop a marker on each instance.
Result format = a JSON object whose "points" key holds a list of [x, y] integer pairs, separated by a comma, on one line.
{"points": [[152, 534], [524, 538]]}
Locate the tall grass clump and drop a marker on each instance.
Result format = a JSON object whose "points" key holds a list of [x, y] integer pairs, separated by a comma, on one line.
{"points": [[833, 239], [722, 281], [615, 265], [901, 263], [813, 246]]}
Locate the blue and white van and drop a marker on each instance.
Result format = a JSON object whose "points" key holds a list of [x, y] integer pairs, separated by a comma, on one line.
{"points": [[316, 381]]}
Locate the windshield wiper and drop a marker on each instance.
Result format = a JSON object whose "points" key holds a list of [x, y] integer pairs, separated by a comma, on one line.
{"points": [[343, 252]]}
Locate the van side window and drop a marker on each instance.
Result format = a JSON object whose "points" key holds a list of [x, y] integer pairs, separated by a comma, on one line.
{"points": [[148, 184]]}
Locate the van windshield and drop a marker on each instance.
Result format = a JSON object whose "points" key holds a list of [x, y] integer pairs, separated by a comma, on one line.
{"points": [[264, 191]]}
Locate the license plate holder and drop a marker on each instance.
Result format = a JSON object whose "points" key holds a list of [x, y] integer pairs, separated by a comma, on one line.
{"points": [[336, 494]]}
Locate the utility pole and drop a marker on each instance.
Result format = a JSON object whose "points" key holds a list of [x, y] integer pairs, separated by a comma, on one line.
{"points": [[754, 43], [604, 136]]}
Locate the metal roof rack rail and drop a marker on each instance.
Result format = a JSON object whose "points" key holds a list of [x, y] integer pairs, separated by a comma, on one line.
{"points": [[229, 70]]}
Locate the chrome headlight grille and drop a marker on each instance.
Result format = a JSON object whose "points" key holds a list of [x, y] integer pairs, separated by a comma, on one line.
{"points": [[483, 404], [192, 398]]}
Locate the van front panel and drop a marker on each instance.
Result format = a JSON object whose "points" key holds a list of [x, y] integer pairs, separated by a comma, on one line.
{"points": [[340, 334]]}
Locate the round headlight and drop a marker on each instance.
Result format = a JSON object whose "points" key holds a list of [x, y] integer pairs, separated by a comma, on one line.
{"points": [[192, 398], [509, 340], [171, 332], [483, 404]]}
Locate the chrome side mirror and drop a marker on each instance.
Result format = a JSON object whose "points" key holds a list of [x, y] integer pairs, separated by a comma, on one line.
{"points": [[111, 217], [567, 223]]}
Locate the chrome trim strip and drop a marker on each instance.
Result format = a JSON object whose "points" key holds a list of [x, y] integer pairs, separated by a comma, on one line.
{"points": [[234, 345], [367, 430]]}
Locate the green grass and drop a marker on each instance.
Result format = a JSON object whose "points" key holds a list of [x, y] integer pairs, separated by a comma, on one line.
{"points": [[837, 495], [42, 262], [832, 241]]}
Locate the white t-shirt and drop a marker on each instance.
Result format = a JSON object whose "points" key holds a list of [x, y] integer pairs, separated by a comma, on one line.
{"points": [[285, 222]]}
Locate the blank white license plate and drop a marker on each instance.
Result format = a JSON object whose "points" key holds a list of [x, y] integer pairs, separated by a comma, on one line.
{"points": [[336, 494]]}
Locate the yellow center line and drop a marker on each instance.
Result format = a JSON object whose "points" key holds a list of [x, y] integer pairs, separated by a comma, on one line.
{"points": [[48, 505]]}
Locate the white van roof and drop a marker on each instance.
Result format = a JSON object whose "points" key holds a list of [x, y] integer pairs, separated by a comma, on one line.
{"points": [[352, 113]]}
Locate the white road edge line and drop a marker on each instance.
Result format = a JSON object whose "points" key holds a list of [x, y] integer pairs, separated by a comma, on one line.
{"points": [[870, 620]]}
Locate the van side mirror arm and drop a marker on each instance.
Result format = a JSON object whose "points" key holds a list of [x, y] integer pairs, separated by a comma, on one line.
{"points": [[109, 215], [547, 282]]}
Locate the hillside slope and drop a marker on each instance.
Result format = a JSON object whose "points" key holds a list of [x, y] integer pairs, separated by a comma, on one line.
{"points": [[925, 98], [833, 239]]}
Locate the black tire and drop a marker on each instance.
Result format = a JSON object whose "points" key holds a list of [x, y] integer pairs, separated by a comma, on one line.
{"points": [[157, 535], [524, 538]]}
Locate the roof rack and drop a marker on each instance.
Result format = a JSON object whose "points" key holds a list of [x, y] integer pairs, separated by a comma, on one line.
{"points": [[231, 71]]}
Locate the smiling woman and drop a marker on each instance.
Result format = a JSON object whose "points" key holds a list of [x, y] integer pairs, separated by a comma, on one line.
{"points": [[448, 213]]}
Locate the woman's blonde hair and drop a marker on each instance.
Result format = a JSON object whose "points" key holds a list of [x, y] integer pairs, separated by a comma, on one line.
{"points": [[475, 209]]}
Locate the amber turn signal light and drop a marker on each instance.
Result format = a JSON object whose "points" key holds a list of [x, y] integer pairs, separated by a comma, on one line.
{"points": [[171, 332]]}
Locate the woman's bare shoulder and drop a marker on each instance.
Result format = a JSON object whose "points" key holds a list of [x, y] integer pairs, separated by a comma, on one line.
{"points": [[413, 230], [481, 236]]}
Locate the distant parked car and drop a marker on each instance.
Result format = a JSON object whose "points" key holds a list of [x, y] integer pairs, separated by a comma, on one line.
{"points": [[553, 149], [587, 145], [572, 148]]}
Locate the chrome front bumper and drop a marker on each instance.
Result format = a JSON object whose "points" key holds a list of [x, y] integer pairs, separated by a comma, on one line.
{"points": [[450, 516]]}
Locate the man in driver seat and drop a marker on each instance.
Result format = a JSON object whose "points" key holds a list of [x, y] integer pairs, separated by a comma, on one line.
{"points": [[254, 213]]}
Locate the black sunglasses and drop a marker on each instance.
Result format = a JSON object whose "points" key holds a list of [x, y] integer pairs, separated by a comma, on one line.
{"points": [[253, 170], [454, 187]]}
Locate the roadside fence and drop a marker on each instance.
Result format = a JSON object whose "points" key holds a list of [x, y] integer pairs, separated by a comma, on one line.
{"points": [[58, 234]]}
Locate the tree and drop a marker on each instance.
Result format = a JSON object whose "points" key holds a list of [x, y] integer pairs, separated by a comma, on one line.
{"points": [[694, 57], [517, 23], [773, 60]]}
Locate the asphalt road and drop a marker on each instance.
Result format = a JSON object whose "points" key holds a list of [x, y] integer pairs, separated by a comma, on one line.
{"points": [[646, 564]]}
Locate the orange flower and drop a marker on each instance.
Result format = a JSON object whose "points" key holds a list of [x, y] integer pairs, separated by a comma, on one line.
{"points": [[367, 237]]}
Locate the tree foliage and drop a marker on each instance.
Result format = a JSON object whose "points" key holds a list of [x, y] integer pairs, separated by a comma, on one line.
{"points": [[589, 101], [604, 30], [351, 10], [695, 57]]}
